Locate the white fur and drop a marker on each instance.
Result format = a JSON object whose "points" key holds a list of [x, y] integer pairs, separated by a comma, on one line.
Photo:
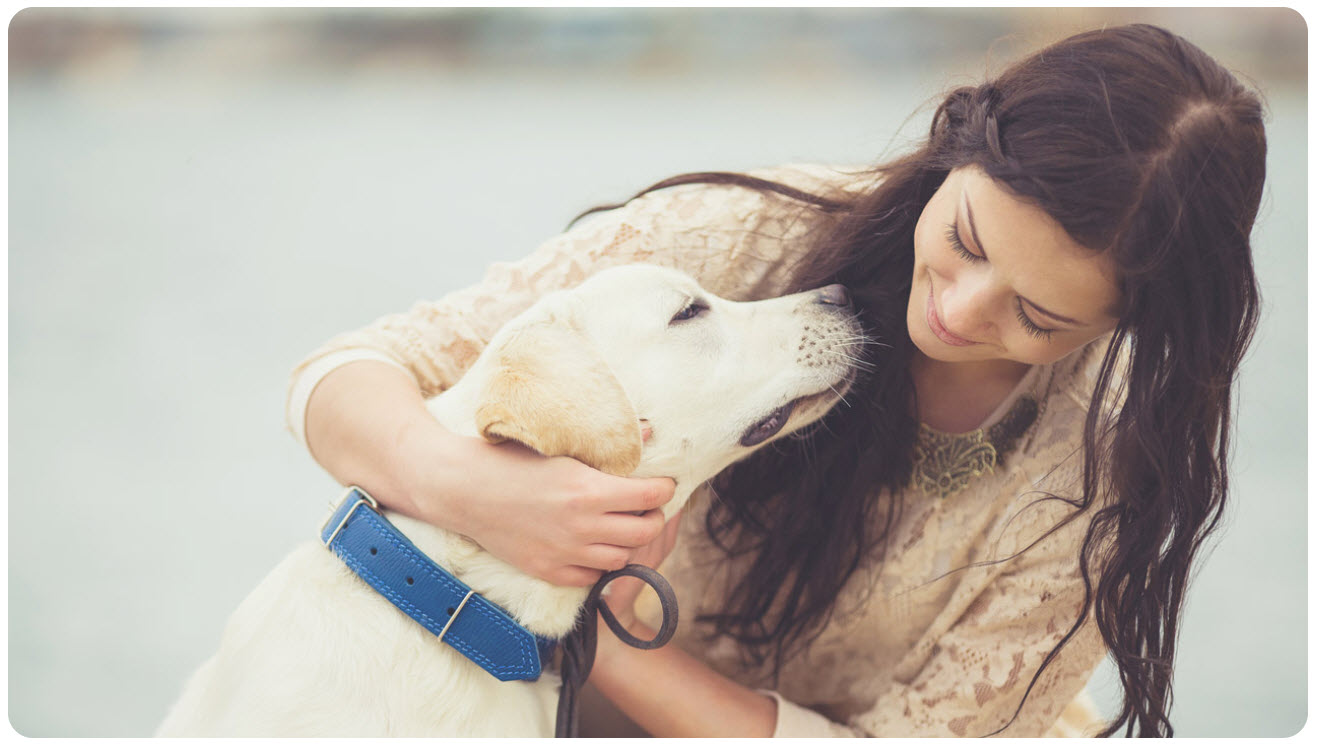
{"points": [[314, 651]]}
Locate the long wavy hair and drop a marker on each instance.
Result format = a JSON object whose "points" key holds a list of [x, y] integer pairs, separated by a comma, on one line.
{"points": [[1143, 148]]}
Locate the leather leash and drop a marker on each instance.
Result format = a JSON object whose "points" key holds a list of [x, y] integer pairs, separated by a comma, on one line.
{"points": [[580, 645]]}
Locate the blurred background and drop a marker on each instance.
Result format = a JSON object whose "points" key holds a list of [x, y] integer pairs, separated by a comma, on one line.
{"points": [[198, 198]]}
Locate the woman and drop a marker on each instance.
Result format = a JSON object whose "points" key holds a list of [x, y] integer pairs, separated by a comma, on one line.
{"points": [[1061, 289]]}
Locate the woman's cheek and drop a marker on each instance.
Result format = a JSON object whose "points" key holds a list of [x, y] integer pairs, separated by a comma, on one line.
{"points": [[1036, 356], [929, 255]]}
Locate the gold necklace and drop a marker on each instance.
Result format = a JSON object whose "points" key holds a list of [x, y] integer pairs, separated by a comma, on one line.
{"points": [[945, 464]]}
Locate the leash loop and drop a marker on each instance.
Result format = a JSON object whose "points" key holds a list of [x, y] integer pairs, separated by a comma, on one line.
{"points": [[580, 645]]}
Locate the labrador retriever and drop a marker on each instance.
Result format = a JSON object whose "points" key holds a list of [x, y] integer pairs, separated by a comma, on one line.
{"points": [[316, 651]]}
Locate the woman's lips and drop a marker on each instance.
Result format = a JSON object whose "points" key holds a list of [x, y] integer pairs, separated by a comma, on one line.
{"points": [[938, 328]]}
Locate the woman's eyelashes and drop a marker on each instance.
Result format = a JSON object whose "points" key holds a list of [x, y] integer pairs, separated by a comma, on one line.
{"points": [[965, 253], [1031, 328], [958, 247]]}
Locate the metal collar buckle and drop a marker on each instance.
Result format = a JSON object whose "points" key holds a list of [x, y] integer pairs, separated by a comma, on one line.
{"points": [[351, 493]]}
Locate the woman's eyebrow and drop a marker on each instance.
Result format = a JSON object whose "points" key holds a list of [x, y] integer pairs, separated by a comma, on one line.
{"points": [[976, 239]]}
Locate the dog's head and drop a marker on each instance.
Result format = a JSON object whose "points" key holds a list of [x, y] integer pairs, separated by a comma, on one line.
{"points": [[639, 371]]}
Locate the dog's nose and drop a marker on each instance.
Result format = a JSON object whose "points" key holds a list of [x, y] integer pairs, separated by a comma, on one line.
{"points": [[835, 294]]}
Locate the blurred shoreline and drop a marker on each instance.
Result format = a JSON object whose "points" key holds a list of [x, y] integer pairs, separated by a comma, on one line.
{"points": [[797, 42]]}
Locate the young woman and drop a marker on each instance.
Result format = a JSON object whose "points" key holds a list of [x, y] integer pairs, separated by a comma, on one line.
{"points": [[1060, 285]]}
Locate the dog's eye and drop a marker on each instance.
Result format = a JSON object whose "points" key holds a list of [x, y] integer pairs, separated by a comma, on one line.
{"points": [[690, 311]]}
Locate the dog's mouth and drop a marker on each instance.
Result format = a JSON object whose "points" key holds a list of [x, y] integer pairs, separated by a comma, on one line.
{"points": [[775, 422], [768, 426]]}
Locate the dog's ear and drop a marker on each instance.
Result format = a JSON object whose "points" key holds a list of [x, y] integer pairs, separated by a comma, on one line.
{"points": [[551, 391]]}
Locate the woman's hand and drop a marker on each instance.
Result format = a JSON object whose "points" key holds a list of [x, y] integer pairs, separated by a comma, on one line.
{"points": [[551, 517]]}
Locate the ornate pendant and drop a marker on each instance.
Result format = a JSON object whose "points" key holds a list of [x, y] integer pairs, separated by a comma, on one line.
{"points": [[945, 464]]}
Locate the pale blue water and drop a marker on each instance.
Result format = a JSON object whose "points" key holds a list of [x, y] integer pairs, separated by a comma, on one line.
{"points": [[180, 234]]}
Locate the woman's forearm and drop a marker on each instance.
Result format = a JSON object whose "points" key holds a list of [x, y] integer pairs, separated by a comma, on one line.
{"points": [[671, 694], [367, 425]]}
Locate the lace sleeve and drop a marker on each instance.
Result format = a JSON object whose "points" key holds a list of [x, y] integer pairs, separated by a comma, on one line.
{"points": [[736, 242]]}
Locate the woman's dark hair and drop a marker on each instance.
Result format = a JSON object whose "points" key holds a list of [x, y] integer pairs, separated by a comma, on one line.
{"points": [[1143, 148]]}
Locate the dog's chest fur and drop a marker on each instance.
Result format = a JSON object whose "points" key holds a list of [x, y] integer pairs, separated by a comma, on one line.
{"points": [[313, 651]]}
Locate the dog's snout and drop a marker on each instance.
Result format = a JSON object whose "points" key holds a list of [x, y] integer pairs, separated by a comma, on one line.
{"points": [[834, 294]]}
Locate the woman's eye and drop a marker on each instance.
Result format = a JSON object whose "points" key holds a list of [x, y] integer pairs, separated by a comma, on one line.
{"points": [[958, 247], [1031, 328], [689, 311]]}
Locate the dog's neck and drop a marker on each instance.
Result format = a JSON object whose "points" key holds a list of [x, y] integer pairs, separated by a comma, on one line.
{"points": [[541, 607]]}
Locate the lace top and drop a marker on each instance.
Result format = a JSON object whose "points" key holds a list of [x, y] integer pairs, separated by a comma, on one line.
{"points": [[941, 637]]}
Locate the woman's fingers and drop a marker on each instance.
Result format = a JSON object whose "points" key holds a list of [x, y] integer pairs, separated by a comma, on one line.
{"points": [[627, 530], [634, 495], [654, 553], [649, 540], [594, 562], [573, 576], [605, 557], [671, 530]]}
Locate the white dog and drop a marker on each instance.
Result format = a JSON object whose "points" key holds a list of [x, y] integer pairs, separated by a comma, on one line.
{"points": [[315, 651]]}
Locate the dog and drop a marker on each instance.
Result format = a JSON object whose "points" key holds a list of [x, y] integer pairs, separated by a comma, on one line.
{"points": [[315, 651]]}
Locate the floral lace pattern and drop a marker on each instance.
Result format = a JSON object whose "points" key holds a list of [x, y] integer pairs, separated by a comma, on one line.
{"points": [[944, 634]]}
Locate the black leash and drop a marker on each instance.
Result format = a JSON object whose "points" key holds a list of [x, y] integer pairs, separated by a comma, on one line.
{"points": [[580, 645]]}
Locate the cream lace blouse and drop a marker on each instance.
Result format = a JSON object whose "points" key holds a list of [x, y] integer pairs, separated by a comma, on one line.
{"points": [[940, 638]]}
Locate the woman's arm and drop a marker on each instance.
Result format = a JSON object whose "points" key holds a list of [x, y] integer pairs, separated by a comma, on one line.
{"points": [[367, 425], [670, 694]]}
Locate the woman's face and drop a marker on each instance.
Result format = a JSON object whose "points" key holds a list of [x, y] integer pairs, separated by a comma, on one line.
{"points": [[997, 279]]}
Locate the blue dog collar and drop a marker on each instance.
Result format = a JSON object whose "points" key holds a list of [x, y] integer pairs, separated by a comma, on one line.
{"points": [[384, 558]]}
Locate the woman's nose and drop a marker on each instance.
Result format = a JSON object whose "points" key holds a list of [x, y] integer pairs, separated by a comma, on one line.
{"points": [[967, 309]]}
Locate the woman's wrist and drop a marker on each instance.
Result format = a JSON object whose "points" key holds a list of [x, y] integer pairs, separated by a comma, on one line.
{"points": [[671, 694], [611, 652], [434, 468], [368, 426], [611, 649]]}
